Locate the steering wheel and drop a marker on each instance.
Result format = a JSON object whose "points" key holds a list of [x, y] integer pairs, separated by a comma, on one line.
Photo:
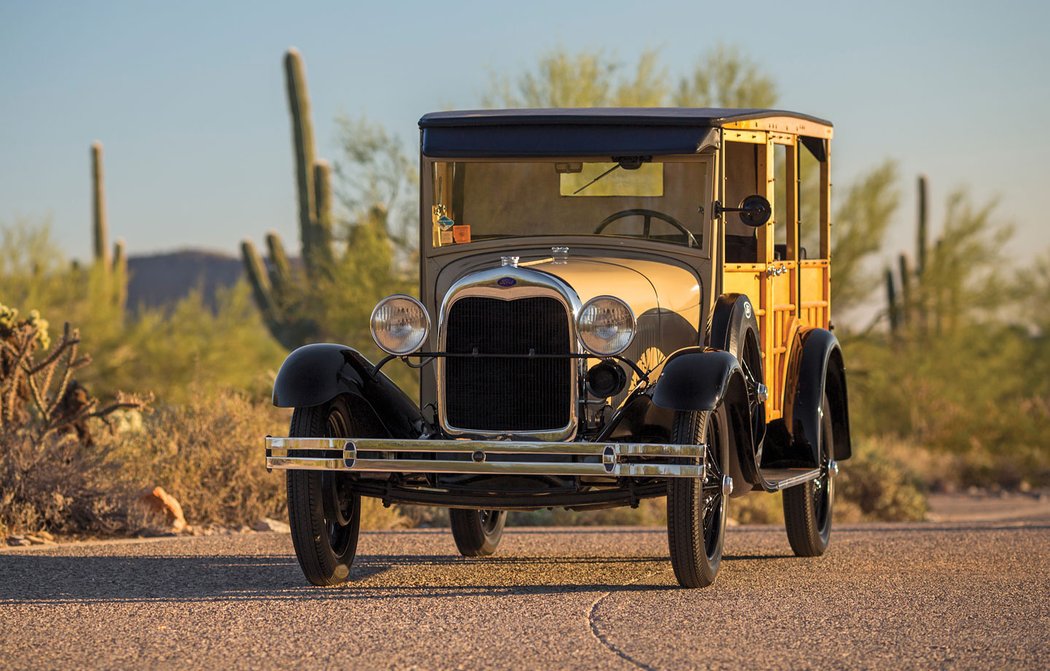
{"points": [[647, 223]]}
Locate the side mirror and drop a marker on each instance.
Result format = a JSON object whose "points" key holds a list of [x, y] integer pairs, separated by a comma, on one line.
{"points": [[754, 210]]}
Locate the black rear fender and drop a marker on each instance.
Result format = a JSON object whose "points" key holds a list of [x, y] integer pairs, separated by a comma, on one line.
{"points": [[315, 374], [816, 367]]}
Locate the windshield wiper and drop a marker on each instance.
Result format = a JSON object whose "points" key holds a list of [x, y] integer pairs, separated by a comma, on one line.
{"points": [[596, 179]]}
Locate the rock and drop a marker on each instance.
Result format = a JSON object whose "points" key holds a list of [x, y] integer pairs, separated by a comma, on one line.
{"points": [[17, 541], [45, 535], [37, 539], [162, 503], [269, 524]]}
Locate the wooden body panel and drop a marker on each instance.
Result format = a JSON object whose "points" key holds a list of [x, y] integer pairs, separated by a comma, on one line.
{"points": [[788, 293]]}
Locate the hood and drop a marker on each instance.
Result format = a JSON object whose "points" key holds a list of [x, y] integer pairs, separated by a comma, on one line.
{"points": [[645, 285]]}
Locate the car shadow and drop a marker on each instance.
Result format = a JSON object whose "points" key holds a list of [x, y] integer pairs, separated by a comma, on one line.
{"points": [[55, 578]]}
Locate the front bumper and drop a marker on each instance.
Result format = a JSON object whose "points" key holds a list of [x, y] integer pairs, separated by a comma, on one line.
{"points": [[495, 457]]}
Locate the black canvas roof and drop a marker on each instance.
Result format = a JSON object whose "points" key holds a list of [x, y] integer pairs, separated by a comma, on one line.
{"points": [[621, 131]]}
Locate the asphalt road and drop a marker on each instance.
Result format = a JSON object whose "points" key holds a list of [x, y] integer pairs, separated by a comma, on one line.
{"points": [[885, 596]]}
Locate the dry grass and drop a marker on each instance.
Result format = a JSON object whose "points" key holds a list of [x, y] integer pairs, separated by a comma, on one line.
{"points": [[208, 454]]}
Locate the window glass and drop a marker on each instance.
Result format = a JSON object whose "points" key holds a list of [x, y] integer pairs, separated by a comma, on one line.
{"points": [[665, 201]]}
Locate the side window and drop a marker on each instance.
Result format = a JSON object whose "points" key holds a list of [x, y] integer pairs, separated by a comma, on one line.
{"points": [[781, 217], [741, 180], [809, 204]]}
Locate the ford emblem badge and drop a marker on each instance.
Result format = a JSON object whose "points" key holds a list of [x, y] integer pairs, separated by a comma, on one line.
{"points": [[506, 281]]}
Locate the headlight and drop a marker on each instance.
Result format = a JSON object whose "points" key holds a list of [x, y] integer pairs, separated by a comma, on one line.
{"points": [[606, 325], [400, 324]]}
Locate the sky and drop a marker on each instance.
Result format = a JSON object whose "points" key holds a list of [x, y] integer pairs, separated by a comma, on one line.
{"points": [[189, 102]]}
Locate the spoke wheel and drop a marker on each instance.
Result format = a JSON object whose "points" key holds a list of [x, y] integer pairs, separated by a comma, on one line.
{"points": [[750, 357], [697, 509], [477, 532], [323, 511], [808, 507]]}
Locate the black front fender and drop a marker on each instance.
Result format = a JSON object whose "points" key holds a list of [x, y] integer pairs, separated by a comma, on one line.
{"points": [[696, 379], [315, 374]]}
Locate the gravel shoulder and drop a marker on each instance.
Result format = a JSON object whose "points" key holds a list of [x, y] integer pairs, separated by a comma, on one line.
{"points": [[969, 594]]}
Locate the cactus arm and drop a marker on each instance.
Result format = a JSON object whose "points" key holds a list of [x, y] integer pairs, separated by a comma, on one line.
{"points": [[261, 288], [922, 229], [891, 302], [120, 273], [280, 268], [323, 213], [906, 297]]}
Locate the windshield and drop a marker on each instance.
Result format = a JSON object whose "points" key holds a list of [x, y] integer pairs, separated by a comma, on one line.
{"points": [[663, 200]]}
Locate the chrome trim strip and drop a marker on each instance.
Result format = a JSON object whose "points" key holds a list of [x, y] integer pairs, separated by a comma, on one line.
{"points": [[528, 284], [616, 458]]}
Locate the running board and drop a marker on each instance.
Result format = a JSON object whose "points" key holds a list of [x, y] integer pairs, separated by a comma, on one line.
{"points": [[779, 479]]}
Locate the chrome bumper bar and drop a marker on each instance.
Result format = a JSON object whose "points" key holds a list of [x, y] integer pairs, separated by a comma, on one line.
{"points": [[485, 456]]}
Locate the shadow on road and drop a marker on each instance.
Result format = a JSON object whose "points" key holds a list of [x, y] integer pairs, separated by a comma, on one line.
{"points": [[56, 579]]}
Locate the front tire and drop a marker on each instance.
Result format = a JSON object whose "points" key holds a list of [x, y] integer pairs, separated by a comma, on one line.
{"points": [[807, 507], [323, 511], [477, 532], [696, 509]]}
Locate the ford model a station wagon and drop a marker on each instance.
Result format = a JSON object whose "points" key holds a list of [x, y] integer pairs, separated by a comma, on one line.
{"points": [[615, 304]]}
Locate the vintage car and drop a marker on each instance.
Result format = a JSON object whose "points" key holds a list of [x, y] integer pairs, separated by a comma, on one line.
{"points": [[614, 305]]}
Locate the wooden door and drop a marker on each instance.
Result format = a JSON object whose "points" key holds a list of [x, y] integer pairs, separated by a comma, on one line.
{"points": [[771, 277]]}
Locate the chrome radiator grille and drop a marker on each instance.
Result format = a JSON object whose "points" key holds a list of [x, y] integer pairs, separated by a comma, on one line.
{"points": [[494, 395]]}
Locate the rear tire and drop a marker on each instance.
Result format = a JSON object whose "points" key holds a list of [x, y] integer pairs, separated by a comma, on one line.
{"points": [[697, 509], [808, 507], [477, 532], [323, 512]]}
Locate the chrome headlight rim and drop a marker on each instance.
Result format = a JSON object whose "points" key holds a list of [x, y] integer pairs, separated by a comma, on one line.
{"points": [[580, 330], [426, 324]]}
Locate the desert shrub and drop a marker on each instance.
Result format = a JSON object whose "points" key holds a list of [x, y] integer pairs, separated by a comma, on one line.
{"points": [[376, 517], [169, 352], [175, 353], [208, 454], [54, 472], [757, 508], [58, 484], [880, 484]]}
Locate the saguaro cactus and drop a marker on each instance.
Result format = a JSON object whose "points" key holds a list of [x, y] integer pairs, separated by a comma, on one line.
{"points": [[275, 288], [116, 266], [903, 306]]}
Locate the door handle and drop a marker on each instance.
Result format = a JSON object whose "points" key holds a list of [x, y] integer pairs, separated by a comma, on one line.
{"points": [[776, 271]]}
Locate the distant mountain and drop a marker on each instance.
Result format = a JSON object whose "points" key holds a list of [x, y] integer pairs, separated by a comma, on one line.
{"points": [[160, 280]]}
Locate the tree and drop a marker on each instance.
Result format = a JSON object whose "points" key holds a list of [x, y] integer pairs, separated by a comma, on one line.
{"points": [[725, 77], [859, 228]]}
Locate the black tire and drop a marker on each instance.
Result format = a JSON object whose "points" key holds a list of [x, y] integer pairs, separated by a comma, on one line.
{"points": [[808, 507], [477, 532], [323, 511], [697, 509]]}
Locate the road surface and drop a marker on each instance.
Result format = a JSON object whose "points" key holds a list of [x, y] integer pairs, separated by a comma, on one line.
{"points": [[885, 596]]}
